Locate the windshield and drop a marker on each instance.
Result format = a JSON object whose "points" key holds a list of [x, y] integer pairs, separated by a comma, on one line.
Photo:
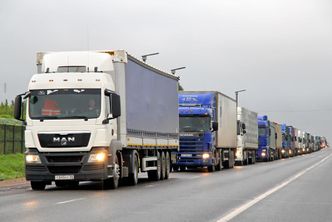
{"points": [[195, 124], [262, 131], [65, 104]]}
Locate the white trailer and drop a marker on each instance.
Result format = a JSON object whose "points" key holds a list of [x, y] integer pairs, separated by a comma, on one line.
{"points": [[247, 136], [98, 115]]}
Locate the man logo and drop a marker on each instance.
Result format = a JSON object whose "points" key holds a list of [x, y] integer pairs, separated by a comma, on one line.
{"points": [[63, 140]]}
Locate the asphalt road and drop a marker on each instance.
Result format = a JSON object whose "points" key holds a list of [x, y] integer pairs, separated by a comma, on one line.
{"points": [[296, 189]]}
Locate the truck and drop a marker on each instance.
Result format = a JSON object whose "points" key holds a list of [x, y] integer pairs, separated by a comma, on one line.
{"points": [[266, 139], [307, 142], [278, 139], [299, 147], [98, 116], [208, 129], [292, 147], [286, 141], [247, 136]]}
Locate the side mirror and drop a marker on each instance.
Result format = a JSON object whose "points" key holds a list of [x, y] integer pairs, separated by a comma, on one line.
{"points": [[115, 105], [243, 126], [18, 107], [215, 126], [244, 131]]}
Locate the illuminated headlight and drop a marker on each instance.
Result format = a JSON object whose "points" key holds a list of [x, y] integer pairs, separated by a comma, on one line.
{"points": [[283, 151], [97, 157], [206, 156], [263, 154], [32, 158], [290, 152], [303, 149], [307, 149]]}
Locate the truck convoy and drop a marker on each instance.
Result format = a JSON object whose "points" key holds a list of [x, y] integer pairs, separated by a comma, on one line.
{"points": [[247, 136], [98, 116], [207, 131], [106, 116]]}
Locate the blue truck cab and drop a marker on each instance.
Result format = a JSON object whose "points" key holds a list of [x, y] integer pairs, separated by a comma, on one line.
{"points": [[266, 140], [286, 141], [196, 115]]}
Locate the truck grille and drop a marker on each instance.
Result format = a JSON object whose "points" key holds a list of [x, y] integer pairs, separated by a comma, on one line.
{"points": [[191, 144], [64, 159], [69, 140], [64, 169]]}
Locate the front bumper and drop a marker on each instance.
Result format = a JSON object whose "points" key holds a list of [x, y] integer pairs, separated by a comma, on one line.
{"points": [[193, 160], [74, 164]]}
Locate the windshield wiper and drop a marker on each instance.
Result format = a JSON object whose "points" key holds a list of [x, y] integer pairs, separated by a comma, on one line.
{"points": [[75, 117]]}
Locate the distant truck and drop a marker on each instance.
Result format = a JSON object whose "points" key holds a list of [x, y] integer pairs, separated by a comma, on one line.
{"points": [[286, 141], [98, 116], [278, 139], [266, 140], [292, 147], [247, 136], [207, 131]]}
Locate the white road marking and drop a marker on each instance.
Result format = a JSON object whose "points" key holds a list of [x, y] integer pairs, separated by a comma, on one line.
{"points": [[69, 201], [235, 212]]}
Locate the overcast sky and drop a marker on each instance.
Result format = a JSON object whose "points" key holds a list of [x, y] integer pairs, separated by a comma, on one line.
{"points": [[279, 50]]}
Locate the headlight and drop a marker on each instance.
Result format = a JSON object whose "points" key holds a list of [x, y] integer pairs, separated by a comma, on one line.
{"points": [[32, 158], [97, 157], [206, 156], [263, 154], [283, 151], [290, 152]]}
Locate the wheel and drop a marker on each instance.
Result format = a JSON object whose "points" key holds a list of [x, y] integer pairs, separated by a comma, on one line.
{"points": [[212, 168], [175, 168], [155, 174], [163, 165], [168, 165], [64, 183], [113, 182], [133, 177], [219, 165], [36, 185]]}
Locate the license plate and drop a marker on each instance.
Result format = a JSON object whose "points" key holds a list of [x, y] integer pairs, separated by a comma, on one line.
{"points": [[186, 155], [64, 177]]}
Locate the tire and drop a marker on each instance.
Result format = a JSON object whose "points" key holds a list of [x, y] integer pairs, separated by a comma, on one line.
{"points": [[182, 168], [113, 183], [163, 165], [168, 165], [36, 185], [212, 168], [219, 165], [132, 179], [155, 174]]}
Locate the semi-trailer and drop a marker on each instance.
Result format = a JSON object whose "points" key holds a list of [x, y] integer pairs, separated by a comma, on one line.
{"points": [[98, 116], [247, 136], [208, 131], [266, 139]]}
